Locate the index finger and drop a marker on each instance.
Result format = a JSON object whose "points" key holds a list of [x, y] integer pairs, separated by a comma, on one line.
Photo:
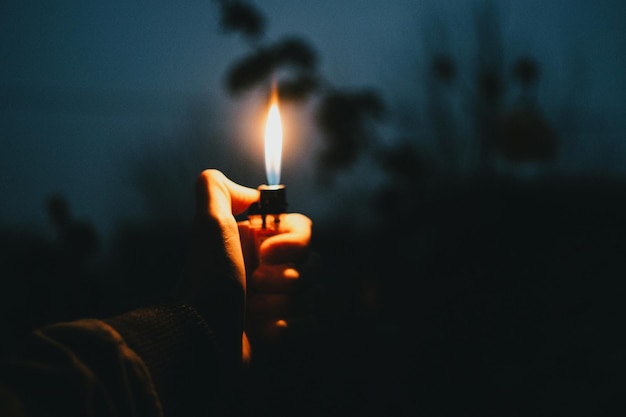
{"points": [[289, 246]]}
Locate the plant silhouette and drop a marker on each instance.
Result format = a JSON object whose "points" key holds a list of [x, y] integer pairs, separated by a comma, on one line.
{"points": [[346, 118], [349, 119]]}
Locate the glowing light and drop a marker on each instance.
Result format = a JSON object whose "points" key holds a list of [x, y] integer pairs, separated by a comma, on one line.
{"points": [[273, 142]]}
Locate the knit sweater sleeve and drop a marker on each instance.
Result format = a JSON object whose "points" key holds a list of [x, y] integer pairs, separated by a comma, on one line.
{"points": [[178, 348], [154, 361]]}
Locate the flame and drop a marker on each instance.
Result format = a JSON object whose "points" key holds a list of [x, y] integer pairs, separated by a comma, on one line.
{"points": [[273, 141]]}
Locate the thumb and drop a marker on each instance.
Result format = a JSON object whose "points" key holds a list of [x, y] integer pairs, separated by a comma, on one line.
{"points": [[217, 196]]}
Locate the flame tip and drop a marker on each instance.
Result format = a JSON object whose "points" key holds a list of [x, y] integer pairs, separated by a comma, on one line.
{"points": [[274, 96]]}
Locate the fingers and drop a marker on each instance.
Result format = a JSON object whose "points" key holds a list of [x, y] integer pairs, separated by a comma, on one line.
{"points": [[214, 258], [215, 249], [274, 282], [214, 276], [273, 279], [290, 246], [275, 300], [273, 332], [262, 307], [241, 197], [265, 315], [272, 292], [219, 197]]}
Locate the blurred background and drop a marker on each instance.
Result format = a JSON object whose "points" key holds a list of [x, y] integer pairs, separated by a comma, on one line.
{"points": [[462, 161]]}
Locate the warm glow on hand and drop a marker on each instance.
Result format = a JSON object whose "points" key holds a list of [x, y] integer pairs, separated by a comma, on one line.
{"points": [[272, 284]]}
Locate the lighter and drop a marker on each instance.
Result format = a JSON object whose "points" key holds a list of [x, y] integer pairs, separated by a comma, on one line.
{"points": [[265, 216]]}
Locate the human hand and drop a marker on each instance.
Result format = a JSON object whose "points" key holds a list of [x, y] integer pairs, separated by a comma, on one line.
{"points": [[214, 277], [274, 270], [220, 252]]}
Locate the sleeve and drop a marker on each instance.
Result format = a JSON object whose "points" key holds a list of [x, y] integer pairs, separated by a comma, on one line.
{"points": [[154, 361]]}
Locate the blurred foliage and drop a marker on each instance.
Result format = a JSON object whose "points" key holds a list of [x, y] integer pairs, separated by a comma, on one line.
{"points": [[499, 100], [238, 16], [349, 120], [524, 135], [298, 88], [403, 163], [262, 63], [444, 68], [344, 117], [526, 70]]}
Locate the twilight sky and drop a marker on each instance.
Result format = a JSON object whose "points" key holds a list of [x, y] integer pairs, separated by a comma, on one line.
{"points": [[88, 87]]}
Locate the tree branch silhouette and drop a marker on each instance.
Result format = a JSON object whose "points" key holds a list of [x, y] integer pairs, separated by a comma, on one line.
{"points": [[346, 118]]}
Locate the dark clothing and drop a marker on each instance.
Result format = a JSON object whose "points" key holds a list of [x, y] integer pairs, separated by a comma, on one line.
{"points": [[154, 361]]}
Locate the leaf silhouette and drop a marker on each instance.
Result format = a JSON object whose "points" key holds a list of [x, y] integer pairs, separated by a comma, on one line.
{"points": [[241, 17]]}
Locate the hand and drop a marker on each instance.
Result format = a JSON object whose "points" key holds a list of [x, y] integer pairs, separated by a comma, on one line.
{"points": [[273, 277], [214, 277]]}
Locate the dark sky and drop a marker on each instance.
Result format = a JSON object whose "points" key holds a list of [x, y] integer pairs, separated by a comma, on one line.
{"points": [[87, 86]]}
